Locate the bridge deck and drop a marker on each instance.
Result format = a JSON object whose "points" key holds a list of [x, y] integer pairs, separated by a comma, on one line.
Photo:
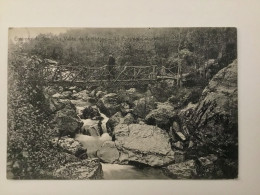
{"points": [[104, 75]]}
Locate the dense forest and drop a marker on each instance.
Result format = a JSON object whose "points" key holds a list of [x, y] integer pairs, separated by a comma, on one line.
{"points": [[38, 113], [151, 46]]}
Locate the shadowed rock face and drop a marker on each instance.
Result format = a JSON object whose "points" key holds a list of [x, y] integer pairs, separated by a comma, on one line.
{"points": [[65, 119], [213, 122], [118, 118], [161, 116], [184, 170], [90, 113], [143, 144], [216, 116], [143, 106], [109, 104]]}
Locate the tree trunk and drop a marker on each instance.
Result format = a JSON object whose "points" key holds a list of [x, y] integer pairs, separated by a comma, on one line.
{"points": [[179, 75]]}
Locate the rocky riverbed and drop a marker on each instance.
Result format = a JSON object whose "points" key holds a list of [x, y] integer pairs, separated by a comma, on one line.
{"points": [[130, 131]]}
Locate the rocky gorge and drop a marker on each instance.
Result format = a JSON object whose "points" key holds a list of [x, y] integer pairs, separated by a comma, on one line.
{"points": [[184, 139]]}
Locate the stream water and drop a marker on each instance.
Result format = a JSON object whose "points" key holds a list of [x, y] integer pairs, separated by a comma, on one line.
{"points": [[114, 171]]}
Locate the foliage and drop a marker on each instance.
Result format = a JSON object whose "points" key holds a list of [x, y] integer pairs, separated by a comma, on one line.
{"points": [[91, 47], [183, 96], [29, 150]]}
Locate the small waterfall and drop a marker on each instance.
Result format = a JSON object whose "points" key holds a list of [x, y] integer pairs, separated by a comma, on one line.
{"points": [[81, 105], [92, 143], [104, 122]]}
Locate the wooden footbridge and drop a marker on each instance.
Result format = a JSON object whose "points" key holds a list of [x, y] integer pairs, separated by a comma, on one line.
{"points": [[104, 75]]}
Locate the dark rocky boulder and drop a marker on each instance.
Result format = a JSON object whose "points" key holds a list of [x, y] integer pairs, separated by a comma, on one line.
{"points": [[90, 112], [208, 167], [161, 116], [66, 121], [179, 130], [125, 108], [113, 122], [129, 96], [183, 96], [128, 119], [143, 106], [117, 119], [53, 104], [109, 104], [183, 170]]}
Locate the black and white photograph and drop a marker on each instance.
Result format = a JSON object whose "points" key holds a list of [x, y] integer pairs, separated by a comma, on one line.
{"points": [[122, 103]]}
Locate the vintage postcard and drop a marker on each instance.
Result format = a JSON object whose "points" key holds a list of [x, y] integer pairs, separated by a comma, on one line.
{"points": [[122, 103]]}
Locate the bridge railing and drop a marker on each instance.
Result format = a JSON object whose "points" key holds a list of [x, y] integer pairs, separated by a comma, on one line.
{"points": [[54, 73]]}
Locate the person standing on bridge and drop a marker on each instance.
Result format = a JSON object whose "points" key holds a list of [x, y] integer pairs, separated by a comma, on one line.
{"points": [[111, 67]]}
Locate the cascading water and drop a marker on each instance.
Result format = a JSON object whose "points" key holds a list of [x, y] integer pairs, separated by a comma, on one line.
{"points": [[113, 171]]}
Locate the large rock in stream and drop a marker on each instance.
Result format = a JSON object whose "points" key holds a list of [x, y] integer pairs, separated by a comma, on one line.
{"points": [[118, 118], [108, 152], [143, 144], [109, 104]]}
